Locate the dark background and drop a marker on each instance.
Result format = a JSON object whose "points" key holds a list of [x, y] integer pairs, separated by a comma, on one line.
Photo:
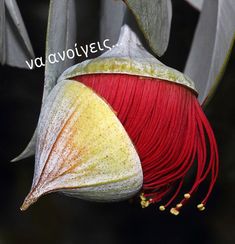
{"points": [[59, 219]]}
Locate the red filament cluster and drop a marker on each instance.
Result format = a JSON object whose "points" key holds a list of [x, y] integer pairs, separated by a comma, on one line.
{"points": [[169, 130]]}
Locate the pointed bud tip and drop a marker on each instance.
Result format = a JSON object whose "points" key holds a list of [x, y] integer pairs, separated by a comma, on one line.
{"points": [[27, 203], [30, 199]]}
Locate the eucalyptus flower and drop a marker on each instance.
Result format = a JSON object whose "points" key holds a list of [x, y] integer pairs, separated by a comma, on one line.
{"points": [[124, 124], [159, 109]]}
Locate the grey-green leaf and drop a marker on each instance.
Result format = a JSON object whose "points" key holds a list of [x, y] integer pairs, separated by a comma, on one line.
{"points": [[212, 44], [17, 48], [61, 36], [29, 150], [154, 20], [196, 4], [2, 32], [112, 15]]}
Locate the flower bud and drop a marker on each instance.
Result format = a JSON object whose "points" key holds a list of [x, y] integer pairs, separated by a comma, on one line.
{"points": [[82, 149]]}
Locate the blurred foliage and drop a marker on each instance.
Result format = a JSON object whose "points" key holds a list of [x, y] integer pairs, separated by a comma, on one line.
{"points": [[63, 220]]}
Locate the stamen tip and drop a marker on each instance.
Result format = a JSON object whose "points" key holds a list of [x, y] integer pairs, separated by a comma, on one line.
{"points": [[162, 208], [174, 211], [144, 203], [187, 195], [142, 197], [201, 207], [179, 205]]}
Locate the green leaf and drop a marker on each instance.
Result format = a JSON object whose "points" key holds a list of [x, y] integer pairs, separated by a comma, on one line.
{"points": [[61, 35], [196, 4], [112, 15], [212, 44], [154, 20], [15, 44]]}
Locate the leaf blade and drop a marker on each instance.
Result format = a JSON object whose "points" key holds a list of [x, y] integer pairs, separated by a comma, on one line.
{"points": [[112, 15], [61, 35], [61, 22], [154, 20], [196, 4], [16, 36], [211, 46], [2, 32]]}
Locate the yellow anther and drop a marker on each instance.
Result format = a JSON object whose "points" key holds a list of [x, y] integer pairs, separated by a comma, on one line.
{"points": [[144, 204], [179, 205], [147, 203], [201, 207], [142, 197], [187, 196], [174, 211], [161, 208]]}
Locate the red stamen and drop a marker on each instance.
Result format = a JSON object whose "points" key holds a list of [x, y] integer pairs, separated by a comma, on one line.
{"points": [[168, 128]]}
